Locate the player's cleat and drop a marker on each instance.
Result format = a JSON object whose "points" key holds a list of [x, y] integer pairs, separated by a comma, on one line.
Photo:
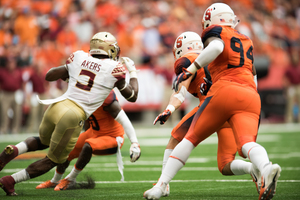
{"points": [[166, 192], [9, 153], [46, 184], [156, 192], [256, 176], [65, 184], [7, 183], [269, 182]]}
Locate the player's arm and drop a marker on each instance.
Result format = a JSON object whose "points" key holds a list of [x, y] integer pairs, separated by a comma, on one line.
{"points": [[214, 46], [129, 91], [56, 73], [176, 99], [120, 116]]}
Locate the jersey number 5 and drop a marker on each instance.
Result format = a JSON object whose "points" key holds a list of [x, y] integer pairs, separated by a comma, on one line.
{"points": [[90, 84], [239, 49]]}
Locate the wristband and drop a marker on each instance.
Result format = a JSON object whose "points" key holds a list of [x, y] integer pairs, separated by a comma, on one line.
{"points": [[133, 74], [171, 108]]}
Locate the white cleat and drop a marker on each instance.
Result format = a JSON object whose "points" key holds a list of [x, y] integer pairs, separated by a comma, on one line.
{"points": [[156, 192], [256, 176], [269, 182], [166, 192]]}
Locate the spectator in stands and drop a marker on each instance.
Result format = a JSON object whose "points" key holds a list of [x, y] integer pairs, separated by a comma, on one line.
{"points": [[292, 86], [11, 96]]}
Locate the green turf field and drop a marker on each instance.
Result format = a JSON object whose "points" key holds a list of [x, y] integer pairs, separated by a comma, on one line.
{"points": [[199, 179]]}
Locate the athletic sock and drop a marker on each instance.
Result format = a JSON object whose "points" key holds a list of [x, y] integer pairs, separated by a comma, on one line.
{"points": [[257, 155], [57, 177], [240, 167], [176, 161], [21, 176], [22, 147], [73, 174], [166, 157]]}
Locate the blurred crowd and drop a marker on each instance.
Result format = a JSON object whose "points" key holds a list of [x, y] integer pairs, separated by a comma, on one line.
{"points": [[36, 35]]}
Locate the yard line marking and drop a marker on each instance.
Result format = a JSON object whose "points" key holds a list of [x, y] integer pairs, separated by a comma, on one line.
{"points": [[174, 181], [109, 169]]}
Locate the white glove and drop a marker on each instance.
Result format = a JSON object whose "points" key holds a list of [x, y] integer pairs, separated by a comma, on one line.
{"points": [[135, 152], [130, 66]]}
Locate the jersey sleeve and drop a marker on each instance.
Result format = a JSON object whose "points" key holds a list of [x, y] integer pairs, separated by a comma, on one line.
{"points": [[180, 63], [110, 98], [212, 31], [119, 71]]}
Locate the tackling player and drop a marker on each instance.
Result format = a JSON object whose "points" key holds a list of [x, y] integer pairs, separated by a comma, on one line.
{"points": [[103, 137], [91, 78], [232, 98], [187, 48]]}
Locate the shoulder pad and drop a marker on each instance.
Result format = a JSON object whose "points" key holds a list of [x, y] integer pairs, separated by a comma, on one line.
{"points": [[212, 31], [180, 63]]}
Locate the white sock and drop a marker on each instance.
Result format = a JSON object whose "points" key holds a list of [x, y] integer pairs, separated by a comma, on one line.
{"points": [[176, 161], [22, 147], [73, 174], [240, 167], [21, 176], [57, 177], [256, 154], [166, 157]]}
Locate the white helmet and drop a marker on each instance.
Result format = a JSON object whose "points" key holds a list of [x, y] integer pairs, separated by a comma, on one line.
{"points": [[187, 42], [218, 13], [104, 43]]}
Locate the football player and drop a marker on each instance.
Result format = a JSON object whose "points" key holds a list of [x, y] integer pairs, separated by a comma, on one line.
{"points": [[103, 137], [187, 48], [232, 98], [91, 77]]}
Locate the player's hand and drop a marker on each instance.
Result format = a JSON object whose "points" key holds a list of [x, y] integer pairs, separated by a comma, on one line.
{"points": [[129, 64], [205, 86], [162, 117], [185, 74], [135, 152]]}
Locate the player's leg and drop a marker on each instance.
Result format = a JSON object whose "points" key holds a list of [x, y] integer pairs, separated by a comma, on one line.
{"points": [[61, 168], [245, 125], [30, 144], [202, 127], [103, 145], [65, 114]]}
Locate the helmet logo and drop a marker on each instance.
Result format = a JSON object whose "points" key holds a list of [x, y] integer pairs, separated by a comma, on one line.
{"points": [[179, 42], [208, 14]]}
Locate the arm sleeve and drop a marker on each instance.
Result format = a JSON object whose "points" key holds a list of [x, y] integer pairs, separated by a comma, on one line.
{"points": [[211, 52], [127, 125]]}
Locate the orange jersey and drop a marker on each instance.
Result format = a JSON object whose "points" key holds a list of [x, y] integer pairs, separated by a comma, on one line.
{"points": [[103, 123], [184, 62], [236, 60]]}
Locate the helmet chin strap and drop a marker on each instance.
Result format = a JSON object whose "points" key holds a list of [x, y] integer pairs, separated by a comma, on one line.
{"points": [[238, 21]]}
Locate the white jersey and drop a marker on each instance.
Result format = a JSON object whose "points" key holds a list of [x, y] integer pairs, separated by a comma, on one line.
{"points": [[90, 80]]}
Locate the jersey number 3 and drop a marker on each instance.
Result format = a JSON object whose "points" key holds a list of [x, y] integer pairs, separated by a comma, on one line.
{"points": [[90, 81], [239, 49]]}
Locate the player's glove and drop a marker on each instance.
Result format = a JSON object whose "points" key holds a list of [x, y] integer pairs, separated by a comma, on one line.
{"points": [[129, 64], [162, 117], [135, 152], [185, 74], [205, 86]]}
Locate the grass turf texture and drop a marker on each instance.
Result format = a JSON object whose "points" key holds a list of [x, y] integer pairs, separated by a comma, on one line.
{"points": [[198, 179]]}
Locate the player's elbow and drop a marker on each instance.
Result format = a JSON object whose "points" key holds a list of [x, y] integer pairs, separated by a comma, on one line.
{"points": [[133, 98]]}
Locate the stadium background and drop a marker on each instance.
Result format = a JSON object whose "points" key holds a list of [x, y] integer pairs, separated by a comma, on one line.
{"points": [[40, 34]]}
